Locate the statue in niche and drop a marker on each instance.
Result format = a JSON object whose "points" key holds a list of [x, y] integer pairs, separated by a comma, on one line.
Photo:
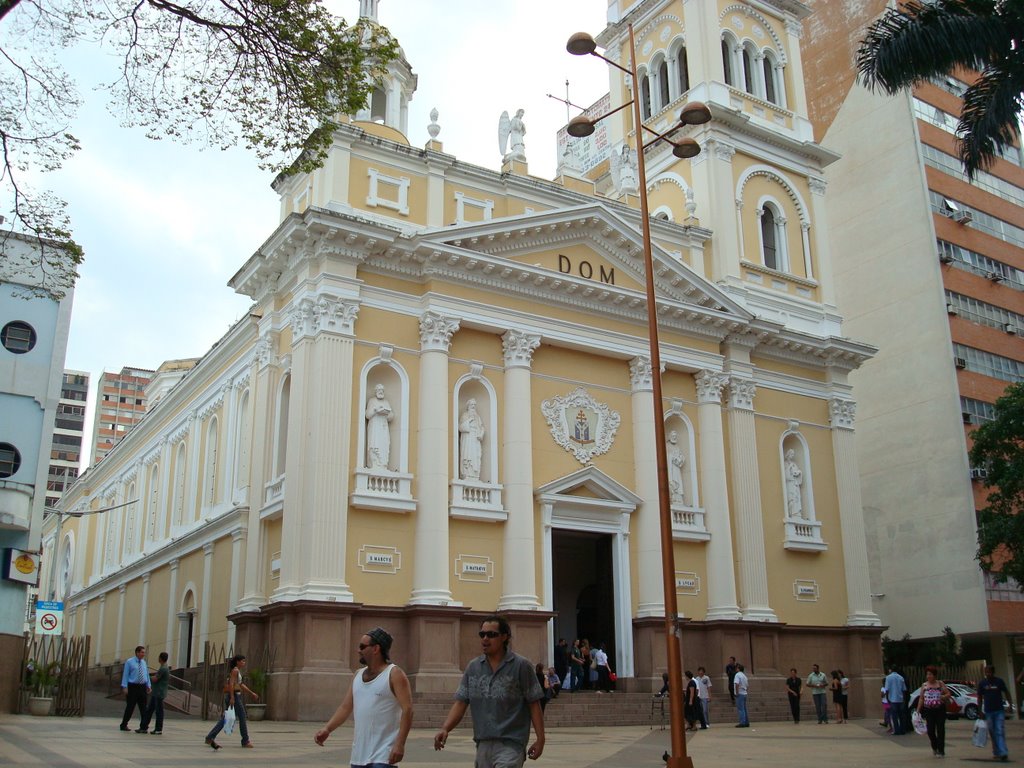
{"points": [[471, 440], [379, 416], [511, 131], [794, 483], [676, 460]]}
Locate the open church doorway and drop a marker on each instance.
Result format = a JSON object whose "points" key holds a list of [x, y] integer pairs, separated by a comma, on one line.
{"points": [[585, 518], [583, 592]]}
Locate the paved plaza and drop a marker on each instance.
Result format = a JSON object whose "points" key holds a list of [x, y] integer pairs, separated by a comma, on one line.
{"points": [[96, 741]]}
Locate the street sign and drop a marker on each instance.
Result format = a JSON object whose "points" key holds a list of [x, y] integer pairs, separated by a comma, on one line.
{"points": [[49, 617]]}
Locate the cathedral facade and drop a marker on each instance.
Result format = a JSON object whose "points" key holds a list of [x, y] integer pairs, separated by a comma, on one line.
{"points": [[440, 403]]}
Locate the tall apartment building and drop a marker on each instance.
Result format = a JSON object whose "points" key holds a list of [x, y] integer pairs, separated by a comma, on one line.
{"points": [[68, 433], [930, 268], [120, 405]]}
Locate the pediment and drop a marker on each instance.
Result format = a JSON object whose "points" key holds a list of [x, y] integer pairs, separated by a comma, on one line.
{"points": [[589, 483], [589, 243]]}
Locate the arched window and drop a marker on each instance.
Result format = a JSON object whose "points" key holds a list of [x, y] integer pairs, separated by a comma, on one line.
{"points": [[378, 106], [663, 89], [769, 243], [179, 485], [748, 71], [645, 97], [210, 476], [683, 71], [281, 439], [727, 61], [769, 80]]}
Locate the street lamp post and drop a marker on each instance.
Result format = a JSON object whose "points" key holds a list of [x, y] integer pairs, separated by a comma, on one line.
{"points": [[694, 113]]}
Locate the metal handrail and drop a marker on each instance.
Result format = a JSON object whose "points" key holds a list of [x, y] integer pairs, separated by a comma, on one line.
{"points": [[185, 686]]}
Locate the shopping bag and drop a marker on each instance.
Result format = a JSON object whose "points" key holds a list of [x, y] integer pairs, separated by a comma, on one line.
{"points": [[567, 682], [920, 726], [980, 736], [229, 719]]}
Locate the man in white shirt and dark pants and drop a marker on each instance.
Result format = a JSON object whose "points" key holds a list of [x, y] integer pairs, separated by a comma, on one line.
{"points": [[740, 684], [704, 694], [381, 701]]}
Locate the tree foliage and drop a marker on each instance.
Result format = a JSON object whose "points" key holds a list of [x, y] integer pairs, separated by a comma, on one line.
{"points": [[272, 75], [920, 39], [999, 448]]}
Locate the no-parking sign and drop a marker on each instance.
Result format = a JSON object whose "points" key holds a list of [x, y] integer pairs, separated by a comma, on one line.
{"points": [[49, 617]]}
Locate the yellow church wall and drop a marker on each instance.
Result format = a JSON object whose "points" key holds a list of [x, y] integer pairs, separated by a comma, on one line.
{"points": [[809, 373], [478, 543], [691, 561], [373, 531], [272, 534], [156, 616], [190, 569], [220, 590], [359, 188], [582, 261], [132, 616]]}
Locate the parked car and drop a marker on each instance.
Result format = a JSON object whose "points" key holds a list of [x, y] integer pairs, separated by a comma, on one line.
{"points": [[966, 697]]}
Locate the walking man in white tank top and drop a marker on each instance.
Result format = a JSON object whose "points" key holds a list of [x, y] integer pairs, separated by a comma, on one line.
{"points": [[380, 703]]}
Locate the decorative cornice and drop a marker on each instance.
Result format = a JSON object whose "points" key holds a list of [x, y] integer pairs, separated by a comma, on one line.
{"points": [[741, 393], [210, 407], [242, 381], [436, 331], [208, 549], [842, 412], [265, 350], [709, 386], [518, 348]]}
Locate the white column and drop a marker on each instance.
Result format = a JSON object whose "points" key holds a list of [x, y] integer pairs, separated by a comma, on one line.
{"points": [[753, 569], [172, 611], [796, 93], [193, 486], [703, 47], [721, 573], [253, 595], [98, 658], [431, 569], [237, 565], [519, 568], [119, 637], [228, 446], [204, 611], [816, 241], [72, 622], [163, 501], [851, 515], [144, 609], [645, 520], [316, 535]]}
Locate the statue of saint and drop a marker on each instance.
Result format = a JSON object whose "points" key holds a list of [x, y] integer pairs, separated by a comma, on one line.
{"points": [[511, 131], [794, 483], [379, 416], [624, 171], [471, 439], [676, 460]]}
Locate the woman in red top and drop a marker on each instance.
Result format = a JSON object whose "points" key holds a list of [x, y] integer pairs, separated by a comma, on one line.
{"points": [[931, 704]]}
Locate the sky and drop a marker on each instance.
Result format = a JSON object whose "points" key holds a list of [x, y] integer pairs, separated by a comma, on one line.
{"points": [[164, 227]]}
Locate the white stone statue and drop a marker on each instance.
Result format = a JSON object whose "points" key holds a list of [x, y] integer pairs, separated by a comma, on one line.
{"points": [[676, 460], [510, 135], [379, 416], [794, 483], [624, 171], [471, 439]]}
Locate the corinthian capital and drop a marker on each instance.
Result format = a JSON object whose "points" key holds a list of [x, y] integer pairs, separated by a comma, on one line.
{"points": [[842, 412], [641, 374], [335, 314], [709, 386], [518, 347], [436, 331], [741, 393]]}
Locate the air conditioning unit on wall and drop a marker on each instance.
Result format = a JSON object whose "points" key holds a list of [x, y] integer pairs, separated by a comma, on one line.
{"points": [[978, 473], [960, 362]]}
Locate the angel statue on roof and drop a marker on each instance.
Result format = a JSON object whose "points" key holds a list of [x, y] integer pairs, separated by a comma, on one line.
{"points": [[511, 131]]}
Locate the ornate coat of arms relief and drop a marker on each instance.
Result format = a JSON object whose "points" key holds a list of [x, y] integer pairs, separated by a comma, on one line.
{"points": [[580, 424]]}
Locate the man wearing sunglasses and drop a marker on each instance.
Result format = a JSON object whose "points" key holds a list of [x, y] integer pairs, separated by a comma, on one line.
{"points": [[501, 690], [381, 701]]}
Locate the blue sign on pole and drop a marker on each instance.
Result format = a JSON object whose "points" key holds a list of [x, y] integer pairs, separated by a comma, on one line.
{"points": [[49, 605]]}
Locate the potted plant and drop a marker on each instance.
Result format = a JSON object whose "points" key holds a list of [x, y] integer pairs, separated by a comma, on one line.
{"points": [[256, 679], [41, 679]]}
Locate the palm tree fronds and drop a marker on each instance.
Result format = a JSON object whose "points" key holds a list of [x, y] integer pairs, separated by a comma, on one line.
{"points": [[988, 121]]}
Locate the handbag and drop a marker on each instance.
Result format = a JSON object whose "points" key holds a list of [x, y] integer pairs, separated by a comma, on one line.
{"points": [[612, 676], [980, 736], [229, 719], [920, 726]]}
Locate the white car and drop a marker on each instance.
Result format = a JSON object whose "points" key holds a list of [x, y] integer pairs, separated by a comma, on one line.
{"points": [[967, 698]]}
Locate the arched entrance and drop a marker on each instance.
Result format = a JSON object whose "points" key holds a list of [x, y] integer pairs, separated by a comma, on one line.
{"points": [[586, 561]]}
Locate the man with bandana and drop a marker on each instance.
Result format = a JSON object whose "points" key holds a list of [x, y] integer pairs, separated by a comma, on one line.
{"points": [[380, 702]]}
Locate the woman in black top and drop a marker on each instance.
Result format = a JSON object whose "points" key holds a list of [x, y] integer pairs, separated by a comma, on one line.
{"points": [[692, 710], [837, 695], [793, 685]]}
